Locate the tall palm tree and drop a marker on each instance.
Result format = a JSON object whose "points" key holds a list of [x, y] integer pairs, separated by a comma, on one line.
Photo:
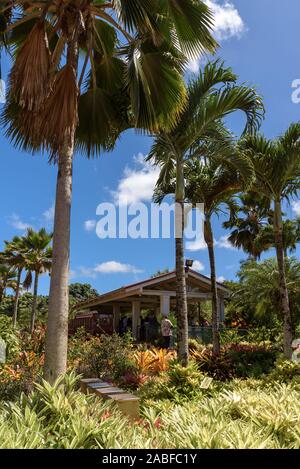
{"points": [[214, 180], [38, 261], [277, 167], [7, 279], [211, 96], [14, 255], [214, 183], [131, 76]]}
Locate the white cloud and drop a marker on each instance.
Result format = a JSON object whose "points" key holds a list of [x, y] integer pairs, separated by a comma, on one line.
{"points": [[227, 24], [15, 221], [221, 279], [227, 20], [90, 225], [137, 184], [47, 218], [296, 207], [224, 243], [114, 267], [109, 267], [197, 245], [198, 266]]}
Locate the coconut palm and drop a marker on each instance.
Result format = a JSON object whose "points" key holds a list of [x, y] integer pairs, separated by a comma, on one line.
{"points": [[15, 256], [131, 76], [7, 279], [277, 167], [211, 96], [38, 261]]}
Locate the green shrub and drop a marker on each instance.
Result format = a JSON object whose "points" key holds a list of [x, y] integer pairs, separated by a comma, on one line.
{"points": [[251, 360], [285, 371], [107, 356], [9, 336], [219, 367], [239, 417], [178, 384], [11, 390], [195, 345], [236, 361], [60, 417]]}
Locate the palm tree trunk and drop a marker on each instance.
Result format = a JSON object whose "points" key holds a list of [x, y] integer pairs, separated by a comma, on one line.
{"points": [[58, 310], [181, 297], [16, 303], [209, 239], [35, 292], [284, 296]]}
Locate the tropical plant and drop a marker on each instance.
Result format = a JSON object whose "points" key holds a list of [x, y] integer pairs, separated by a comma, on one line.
{"points": [[257, 294], [214, 183], [9, 336], [252, 214], [7, 279], [152, 361], [14, 255], [277, 167], [252, 226], [211, 96], [285, 371], [108, 357], [38, 261], [134, 54]]}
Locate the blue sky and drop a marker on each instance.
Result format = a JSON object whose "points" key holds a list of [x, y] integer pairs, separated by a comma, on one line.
{"points": [[259, 40]]}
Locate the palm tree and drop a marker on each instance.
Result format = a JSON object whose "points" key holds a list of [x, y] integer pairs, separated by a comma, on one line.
{"points": [[277, 167], [257, 293], [15, 256], [38, 261], [7, 279], [252, 215], [265, 239], [211, 96], [134, 54], [214, 180]]}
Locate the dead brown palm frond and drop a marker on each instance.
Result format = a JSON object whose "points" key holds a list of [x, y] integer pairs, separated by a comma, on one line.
{"points": [[59, 116], [29, 78]]}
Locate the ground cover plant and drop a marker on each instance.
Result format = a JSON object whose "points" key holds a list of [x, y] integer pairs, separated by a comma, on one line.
{"points": [[238, 416]]}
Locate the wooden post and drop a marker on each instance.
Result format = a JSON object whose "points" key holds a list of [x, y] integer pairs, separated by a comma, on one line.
{"points": [[116, 315], [165, 305], [136, 311]]}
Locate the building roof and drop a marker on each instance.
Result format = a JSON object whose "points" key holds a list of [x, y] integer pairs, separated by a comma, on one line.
{"points": [[197, 284]]}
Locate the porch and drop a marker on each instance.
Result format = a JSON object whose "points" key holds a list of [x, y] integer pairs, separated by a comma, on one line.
{"points": [[155, 295]]}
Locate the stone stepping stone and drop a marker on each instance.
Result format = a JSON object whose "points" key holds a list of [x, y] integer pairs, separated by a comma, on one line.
{"points": [[127, 403]]}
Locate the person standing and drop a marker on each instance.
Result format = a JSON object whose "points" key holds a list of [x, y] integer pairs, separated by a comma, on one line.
{"points": [[296, 351], [166, 331]]}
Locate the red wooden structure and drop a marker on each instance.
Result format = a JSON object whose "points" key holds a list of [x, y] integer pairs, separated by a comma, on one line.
{"points": [[94, 323]]}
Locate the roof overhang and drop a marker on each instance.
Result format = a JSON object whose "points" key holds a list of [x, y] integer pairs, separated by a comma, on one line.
{"points": [[157, 286]]}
